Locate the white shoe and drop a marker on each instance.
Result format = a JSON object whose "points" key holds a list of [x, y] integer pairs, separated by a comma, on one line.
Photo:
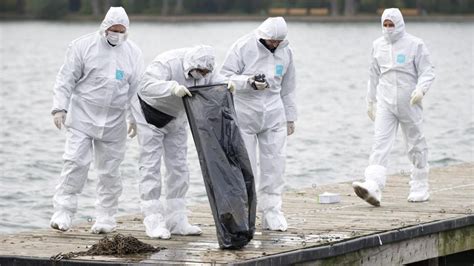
{"points": [[274, 220], [104, 225], [418, 191], [155, 226], [179, 225], [177, 219], [419, 186], [61, 220], [368, 191], [185, 229]]}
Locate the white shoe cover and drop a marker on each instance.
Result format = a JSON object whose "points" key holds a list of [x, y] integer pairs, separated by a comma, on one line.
{"points": [[419, 186], [179, 225], [418, 191], [274, 220], [177, 219], [185, 228], [368, 191], [155, 226], [61, 220], [104, 225]]}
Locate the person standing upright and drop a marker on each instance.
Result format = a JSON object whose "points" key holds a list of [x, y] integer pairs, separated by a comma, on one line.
{"points": [[400, 75], [261, 65], [91, 99]]}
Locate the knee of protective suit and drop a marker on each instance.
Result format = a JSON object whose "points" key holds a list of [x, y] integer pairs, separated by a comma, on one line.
{"points": [[108, 182], [77, 160], [376, 173], [109, 190], [111, 167], [73, 178], [108, 157]]}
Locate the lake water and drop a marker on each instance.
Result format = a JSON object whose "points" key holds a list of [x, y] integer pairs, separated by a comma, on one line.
{"points": [[333, 134]]}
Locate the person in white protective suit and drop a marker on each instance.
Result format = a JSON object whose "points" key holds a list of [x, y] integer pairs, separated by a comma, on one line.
{"points": [[162, 131], [92, 96], [266, 109], [400, 75]]}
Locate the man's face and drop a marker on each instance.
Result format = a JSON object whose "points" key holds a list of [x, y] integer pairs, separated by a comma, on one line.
{"points": [[273, 43], [117, 28], [388, 24]]}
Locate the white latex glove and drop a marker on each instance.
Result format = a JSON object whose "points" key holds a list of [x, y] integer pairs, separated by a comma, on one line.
{"points": [[231, 86], [290, 127], [257, 84], [416, 96], [181, 91], [59, 118], [371, 110], [132, 129]]}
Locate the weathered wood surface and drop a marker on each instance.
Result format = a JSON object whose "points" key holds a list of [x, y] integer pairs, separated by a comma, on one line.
{"points": [[310, 224]]}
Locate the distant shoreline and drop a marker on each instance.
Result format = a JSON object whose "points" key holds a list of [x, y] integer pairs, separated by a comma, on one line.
{"points": [[230, 18]]}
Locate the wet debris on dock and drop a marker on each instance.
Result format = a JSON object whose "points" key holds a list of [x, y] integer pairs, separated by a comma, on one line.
{"points": [[117, 245]]}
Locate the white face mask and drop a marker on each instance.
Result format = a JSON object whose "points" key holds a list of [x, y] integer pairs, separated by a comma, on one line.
{"points": [[389, 33], [116, 38], [195, 74], [388, 30]]}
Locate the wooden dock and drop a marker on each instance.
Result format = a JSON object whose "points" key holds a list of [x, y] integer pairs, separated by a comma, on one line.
{"points": [[350, 232]]}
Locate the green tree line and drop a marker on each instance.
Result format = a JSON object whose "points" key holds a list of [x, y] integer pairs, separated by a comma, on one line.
{"points": [[54, 9]]}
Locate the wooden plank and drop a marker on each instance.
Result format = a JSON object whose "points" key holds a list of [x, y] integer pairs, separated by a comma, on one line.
{"points": [[310, 225]]}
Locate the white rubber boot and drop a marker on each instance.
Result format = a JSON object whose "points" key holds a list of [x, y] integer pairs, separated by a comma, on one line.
{"points": [[155, 226], [155, 222], [419, 187], [368, 191], [104, 224], [61, 220], [371, 189], [274, 220], [177, 219], [269, 205]]}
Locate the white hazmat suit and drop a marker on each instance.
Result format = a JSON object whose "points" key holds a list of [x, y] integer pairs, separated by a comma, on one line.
{"points": [[400, 74], [168, 72], [263, 111], [95, 85]]}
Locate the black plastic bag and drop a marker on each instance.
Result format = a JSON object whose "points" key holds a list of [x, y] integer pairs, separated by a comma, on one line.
{"points": [[225, 165], [154, 116]]}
